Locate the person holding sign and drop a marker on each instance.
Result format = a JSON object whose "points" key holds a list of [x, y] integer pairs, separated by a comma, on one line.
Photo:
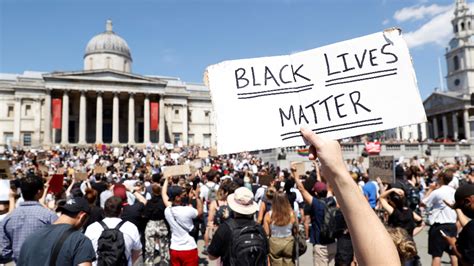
{"points": [[183, 248], [372, 243]]}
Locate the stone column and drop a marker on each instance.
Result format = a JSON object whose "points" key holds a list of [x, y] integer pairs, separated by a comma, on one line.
{"points": [[162, 121], [397, 131], [414, 131], [37, 123], [115, 120], [98, 119], [406, 133], [47, 118], [17, 121], [65, 119], [146, 119], [455, 126], [131, 118], [467, 126], [445, 126], [435, 128], [185, 125], [82, 118], [423, 131]]}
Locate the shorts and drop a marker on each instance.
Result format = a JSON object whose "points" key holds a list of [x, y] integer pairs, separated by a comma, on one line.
{"points": [[184, 257], [436, 242], [345, 251]]}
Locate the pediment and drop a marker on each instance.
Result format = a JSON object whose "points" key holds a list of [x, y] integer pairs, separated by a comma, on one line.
{"points": [[438, 100], [105, 75]]}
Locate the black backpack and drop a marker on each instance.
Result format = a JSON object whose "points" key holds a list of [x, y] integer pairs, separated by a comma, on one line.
{"points": [[248, 246], [111, 246], [329, 228]]}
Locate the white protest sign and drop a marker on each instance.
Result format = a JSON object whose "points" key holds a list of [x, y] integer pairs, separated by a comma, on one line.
{"points": [[341, 90], [4, 190]]}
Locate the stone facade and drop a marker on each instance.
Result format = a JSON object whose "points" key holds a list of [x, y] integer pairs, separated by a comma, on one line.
{"points": [[104, 103]]}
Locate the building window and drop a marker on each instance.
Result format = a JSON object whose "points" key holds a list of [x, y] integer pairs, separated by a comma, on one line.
{"points": [[177, 138], [462, 26], [456, 62], [26, 139], [455, 28], [468, 25], [176, 113], [206, 140], [190, 139], [10, 111], [91, 63], [125, 66], [457, 82], [27, 110], [206, 113]]}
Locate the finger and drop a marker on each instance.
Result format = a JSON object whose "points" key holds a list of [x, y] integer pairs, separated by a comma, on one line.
{"points": [[312, 153], [311, 137]]}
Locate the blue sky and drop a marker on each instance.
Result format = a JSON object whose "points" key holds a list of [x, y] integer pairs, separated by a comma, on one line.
{"points": [[180, 38]]}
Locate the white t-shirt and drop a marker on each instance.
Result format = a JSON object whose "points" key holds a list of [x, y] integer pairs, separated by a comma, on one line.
{"points": [[130, 235], [179, 217], [441, 213], [260, 193]]}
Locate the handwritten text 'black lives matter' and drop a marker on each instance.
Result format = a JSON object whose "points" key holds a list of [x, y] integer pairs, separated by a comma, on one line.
{"points": [[268, 81]]}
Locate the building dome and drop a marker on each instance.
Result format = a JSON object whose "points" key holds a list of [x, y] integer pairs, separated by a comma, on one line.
{"points": [[108, 42]]}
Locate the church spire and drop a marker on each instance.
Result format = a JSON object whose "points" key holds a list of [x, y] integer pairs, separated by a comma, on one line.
{"points": [[461, 8]]}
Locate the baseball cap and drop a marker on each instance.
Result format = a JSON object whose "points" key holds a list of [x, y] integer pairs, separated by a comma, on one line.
{"points": [[75, 205], [319, 187], [174, 191], [120, 191], [461, 193]]}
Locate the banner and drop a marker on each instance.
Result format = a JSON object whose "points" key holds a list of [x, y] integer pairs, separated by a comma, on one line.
{"points": [[57, 109], [56, 184], [341, 90], [373, 148], [176, 170], [154, 114]]}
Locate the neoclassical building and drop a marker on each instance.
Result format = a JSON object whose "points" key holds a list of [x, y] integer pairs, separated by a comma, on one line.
{"points": [[450, 113], [103, 103]]}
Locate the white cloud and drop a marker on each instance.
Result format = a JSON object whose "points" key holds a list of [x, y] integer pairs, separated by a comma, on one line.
{"points": [[419, 12], [437, 30], [385, 21]]}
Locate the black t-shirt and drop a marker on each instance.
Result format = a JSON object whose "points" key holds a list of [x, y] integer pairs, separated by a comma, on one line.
{"points": [[465, 243], [155, 209], [220, 244], [37, 248], [403, 219], [134, 214]]}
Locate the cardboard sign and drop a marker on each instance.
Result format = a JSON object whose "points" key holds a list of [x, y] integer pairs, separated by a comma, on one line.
{"points": [[176, 170], [206, 169], [169, 146], [129, 160], [41, 156], [80, 176], [383, 167], [197, 163], [56, 184], [300, 168], [213, 153], [117, 165], [5, 170], [100, 170], [203, 154], [4, 190], [340, 90]]}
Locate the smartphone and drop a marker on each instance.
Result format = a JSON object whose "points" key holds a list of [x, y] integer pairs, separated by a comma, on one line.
{"points": [[443, 233]]}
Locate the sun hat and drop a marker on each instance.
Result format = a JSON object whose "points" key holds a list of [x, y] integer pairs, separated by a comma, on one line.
{"points": [[241, 201]]}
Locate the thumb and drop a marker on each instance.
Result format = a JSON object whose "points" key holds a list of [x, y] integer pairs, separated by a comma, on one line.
{"points": [[312, 137]]}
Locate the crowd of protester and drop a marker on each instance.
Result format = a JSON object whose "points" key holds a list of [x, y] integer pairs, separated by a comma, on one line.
{"points": [[248, 212]]}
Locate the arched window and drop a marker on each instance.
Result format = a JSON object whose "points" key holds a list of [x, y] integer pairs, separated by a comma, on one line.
{"points": [[468, 25], [125, 66], [91, 63], [462, 26], [455, 28], [456, 62]]}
